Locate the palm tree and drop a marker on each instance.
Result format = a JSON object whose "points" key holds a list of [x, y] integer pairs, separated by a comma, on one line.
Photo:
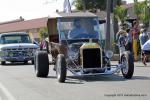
{"points": [[43, 33], [142, 10], [120, 13]]}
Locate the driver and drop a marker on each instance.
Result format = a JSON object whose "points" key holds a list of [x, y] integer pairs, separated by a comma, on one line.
{"points": [[78, 30]]}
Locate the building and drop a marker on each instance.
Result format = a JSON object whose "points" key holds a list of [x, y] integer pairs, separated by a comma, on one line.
{"points": [[131, 15], [30, 26]]}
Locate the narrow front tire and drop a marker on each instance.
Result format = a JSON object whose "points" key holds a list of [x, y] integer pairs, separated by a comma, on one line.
{"points": [[128, 65], [61, 69]]}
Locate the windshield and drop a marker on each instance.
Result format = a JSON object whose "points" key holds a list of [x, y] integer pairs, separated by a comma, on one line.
{"points": [[79, 28], [9, 39]]}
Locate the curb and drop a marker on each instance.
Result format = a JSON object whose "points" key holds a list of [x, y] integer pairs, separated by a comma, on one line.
{"points": [[5, 94]]}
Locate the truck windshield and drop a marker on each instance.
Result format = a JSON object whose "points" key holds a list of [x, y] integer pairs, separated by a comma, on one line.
{"points": [[79, 28], [9, 39]]}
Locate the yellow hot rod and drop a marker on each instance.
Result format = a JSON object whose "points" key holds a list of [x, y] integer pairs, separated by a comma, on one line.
{"points": [[75, 45]]}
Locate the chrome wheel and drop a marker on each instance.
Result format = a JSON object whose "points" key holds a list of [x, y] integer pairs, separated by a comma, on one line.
{"points": [[128, 65], [125, 65]]}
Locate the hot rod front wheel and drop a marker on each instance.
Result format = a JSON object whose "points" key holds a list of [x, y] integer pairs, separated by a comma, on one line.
{"points": [[61, 69], [128, 65]]}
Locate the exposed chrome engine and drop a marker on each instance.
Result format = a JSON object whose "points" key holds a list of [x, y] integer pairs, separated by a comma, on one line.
{"points": [[73, 52]]}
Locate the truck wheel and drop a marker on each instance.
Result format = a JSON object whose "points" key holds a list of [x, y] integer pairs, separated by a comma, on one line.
{"points": [[3, 62], [109, 66], [32, 61], [61, 70], [25, 62], [35, 61], [41, 64], [128, 65]]}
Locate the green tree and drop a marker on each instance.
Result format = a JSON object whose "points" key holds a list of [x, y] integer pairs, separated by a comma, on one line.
{"points": [[115, 21], [120, 13], [137, 8], [43, 33], [92, 5], [142, 10]]}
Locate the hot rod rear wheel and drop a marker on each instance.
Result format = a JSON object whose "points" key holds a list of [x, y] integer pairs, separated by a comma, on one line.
{"points": [[128, 65], [61, 70], [41, 64]]}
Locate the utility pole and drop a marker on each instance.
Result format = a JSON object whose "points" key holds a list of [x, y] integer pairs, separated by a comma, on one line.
{"points": [[84, 5], [115, 22], [107, 41]]}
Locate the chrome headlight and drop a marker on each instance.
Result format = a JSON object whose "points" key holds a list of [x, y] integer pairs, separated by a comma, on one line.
{"points": [[3, 53], [10, 54], [30, 54], [109, 54]]}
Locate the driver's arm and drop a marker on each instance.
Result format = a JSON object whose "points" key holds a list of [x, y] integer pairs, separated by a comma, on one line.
{"points": [[70, 34]]}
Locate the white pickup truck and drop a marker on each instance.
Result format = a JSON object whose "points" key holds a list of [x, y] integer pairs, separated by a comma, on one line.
{"points": [[16, 47]]}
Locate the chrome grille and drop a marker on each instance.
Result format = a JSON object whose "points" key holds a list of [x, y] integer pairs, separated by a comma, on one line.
{"points": [[24, 52]]}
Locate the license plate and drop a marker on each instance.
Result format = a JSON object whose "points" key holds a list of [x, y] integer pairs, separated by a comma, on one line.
{"points": [[20, 59]]}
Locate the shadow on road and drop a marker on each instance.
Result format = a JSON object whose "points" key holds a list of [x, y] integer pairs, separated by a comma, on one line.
{"points": [[52, 77], [140, 78], [98, 78], [68, 80], [143, 66], [16, 64], [103, 78], [74, 82]]}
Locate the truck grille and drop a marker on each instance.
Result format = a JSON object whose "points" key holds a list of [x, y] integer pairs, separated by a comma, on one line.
{"points": [[24, 52], [91, 58]]}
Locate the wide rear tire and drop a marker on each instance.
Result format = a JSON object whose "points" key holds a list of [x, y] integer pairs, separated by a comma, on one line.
{"points": [[61, 69], [41, 64], [128, 62]]}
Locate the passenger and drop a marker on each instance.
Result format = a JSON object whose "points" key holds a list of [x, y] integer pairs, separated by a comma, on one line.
{"points": [[122, 28], [122, 41], [146, 51], [78, 31], [129, 40], [143, 37], [135, 33]]}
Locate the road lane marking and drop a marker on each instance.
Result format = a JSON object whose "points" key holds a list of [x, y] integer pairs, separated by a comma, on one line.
{"points": [[6, 92]]}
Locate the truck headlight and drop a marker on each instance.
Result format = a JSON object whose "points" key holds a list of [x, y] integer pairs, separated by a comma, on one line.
{"points": [[3, 53], [10, 54], [30, 54], [109, 54]]}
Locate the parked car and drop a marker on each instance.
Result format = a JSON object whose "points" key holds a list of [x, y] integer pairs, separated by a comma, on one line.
{"points": [[78, 51], [16, 47]]}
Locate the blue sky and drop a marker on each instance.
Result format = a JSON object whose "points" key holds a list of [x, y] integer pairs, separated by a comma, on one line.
{"points": [[29, 9]]}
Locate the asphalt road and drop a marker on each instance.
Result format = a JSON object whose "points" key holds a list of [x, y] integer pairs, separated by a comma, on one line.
{"points": [[18, 82]]}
